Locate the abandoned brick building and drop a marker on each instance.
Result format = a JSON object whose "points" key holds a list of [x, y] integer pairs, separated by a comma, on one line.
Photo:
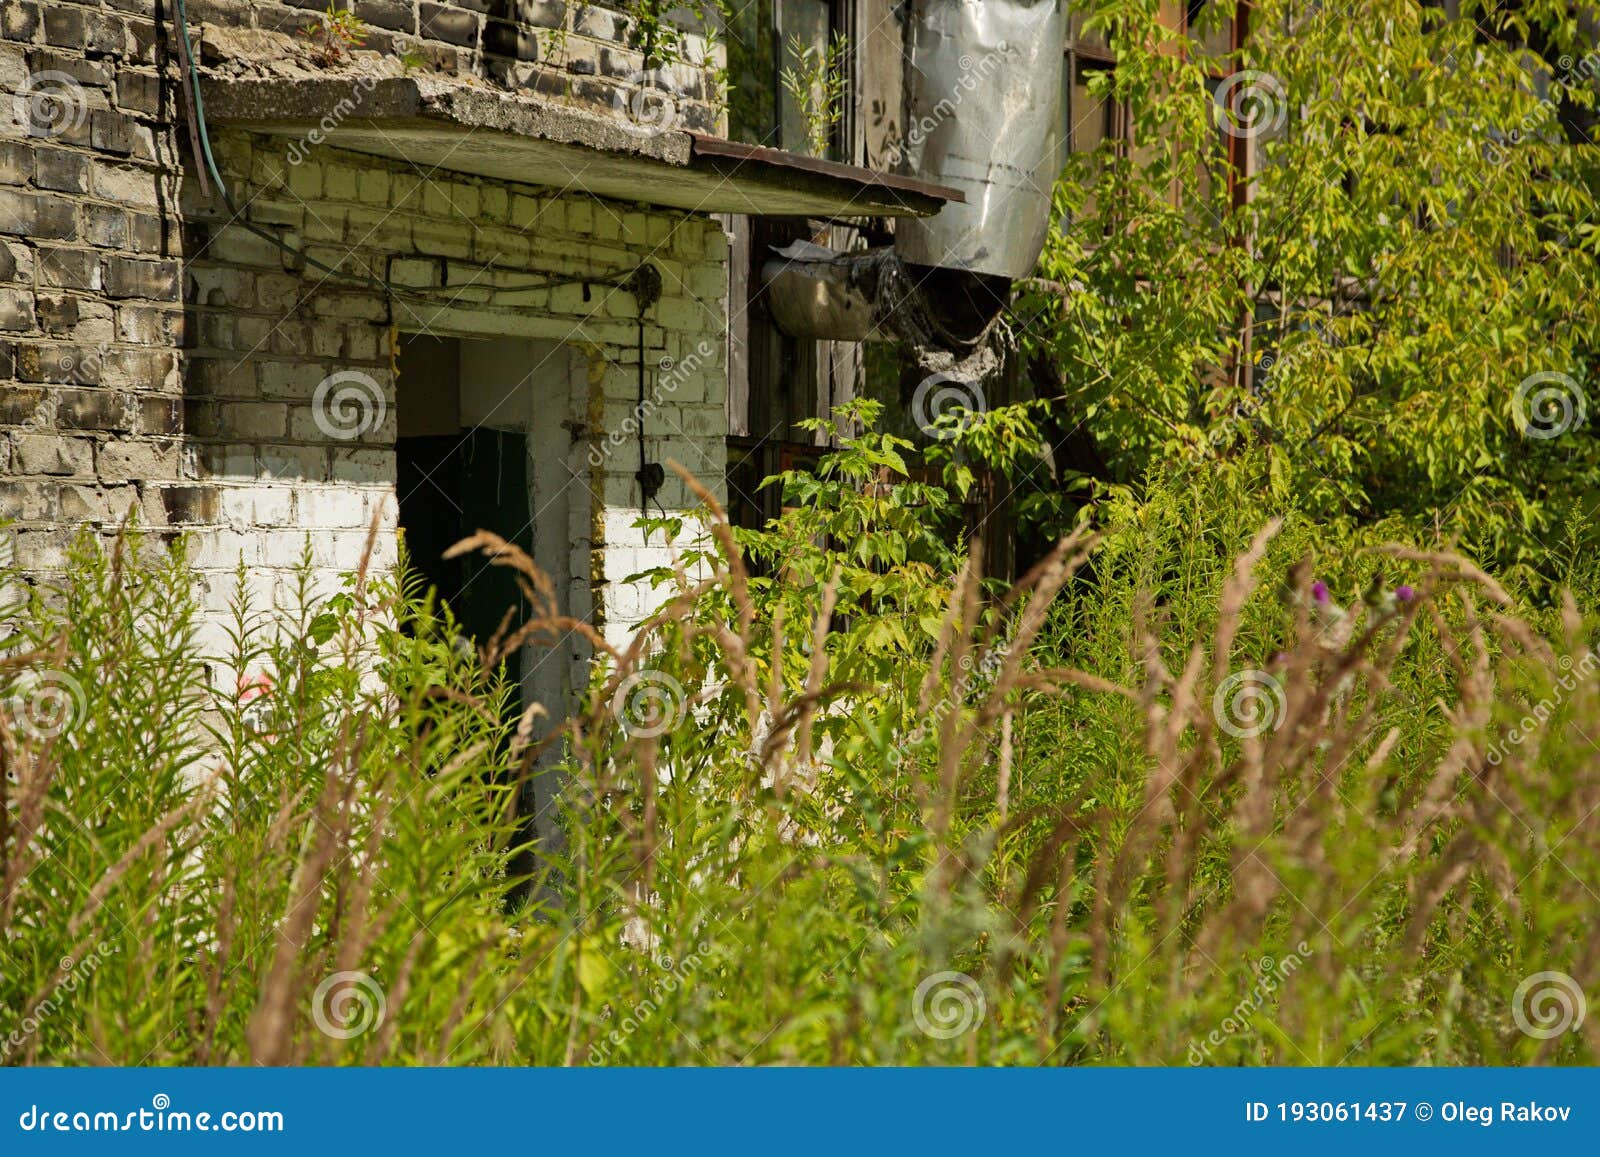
{"points": [[269, 272]]}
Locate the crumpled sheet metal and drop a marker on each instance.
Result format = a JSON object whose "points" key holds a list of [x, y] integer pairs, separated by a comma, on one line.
{"points": [[815, 292], [983, 96]]}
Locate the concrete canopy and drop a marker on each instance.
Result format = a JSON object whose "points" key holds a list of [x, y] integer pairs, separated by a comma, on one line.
{"points": [[534, 142]]}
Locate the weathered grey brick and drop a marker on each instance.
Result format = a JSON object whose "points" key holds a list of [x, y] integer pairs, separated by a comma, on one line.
{"points": [[111, 132], [16, 163], [127, 185], [186, 505], [16, 310], [200, 418], [54, 455], [67, 364], [139, 92], [61, 170], [254, 420], [159, 415], [601, 23], [436, 22], [19, 20], [36, 215], [105, 411], [146, 39], [57, 314], [121, 461], [390, 14], [145, 369], [65, 268], [90, 503], [502, 38], [129, 277], [20, 405], [105, 227], [85, 72], [149, 325], [63, 27], [106, 35], [147, 233], [28, 501]]}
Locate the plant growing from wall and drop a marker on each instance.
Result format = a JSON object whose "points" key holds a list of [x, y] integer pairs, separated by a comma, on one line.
{"points": [[666, 35], [663, 39], [818, 80], [334, 34]]}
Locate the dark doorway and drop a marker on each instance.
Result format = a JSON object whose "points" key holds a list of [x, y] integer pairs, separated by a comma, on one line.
{"points": [[453, 481]]}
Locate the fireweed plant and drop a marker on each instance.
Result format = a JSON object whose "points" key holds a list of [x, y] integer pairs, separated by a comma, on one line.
{"points": [[1209, 788]]}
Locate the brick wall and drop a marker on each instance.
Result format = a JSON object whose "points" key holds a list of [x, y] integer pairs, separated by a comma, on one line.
{"points": [[91, 315], [268, 335], [587, 55], [153, 356]]}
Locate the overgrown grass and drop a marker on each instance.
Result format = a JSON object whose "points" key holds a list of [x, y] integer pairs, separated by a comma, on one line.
{"points": [[1019, 828]]}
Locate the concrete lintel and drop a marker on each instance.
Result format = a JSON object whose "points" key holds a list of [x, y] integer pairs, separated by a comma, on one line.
{"points": [[530, 141]]}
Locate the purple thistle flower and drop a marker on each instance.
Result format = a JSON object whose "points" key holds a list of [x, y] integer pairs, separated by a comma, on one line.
{"points": [[1404, 594], [1319, 592]]}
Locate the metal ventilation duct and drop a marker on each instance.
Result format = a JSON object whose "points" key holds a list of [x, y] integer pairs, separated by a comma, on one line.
{"points": [[983, 113]]}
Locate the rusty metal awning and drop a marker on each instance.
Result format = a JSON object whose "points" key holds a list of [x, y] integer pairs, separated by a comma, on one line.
{"points": [[531, 141]]}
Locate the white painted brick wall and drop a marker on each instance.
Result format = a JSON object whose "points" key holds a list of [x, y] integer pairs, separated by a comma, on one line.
{"points": [[269, 334]]}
